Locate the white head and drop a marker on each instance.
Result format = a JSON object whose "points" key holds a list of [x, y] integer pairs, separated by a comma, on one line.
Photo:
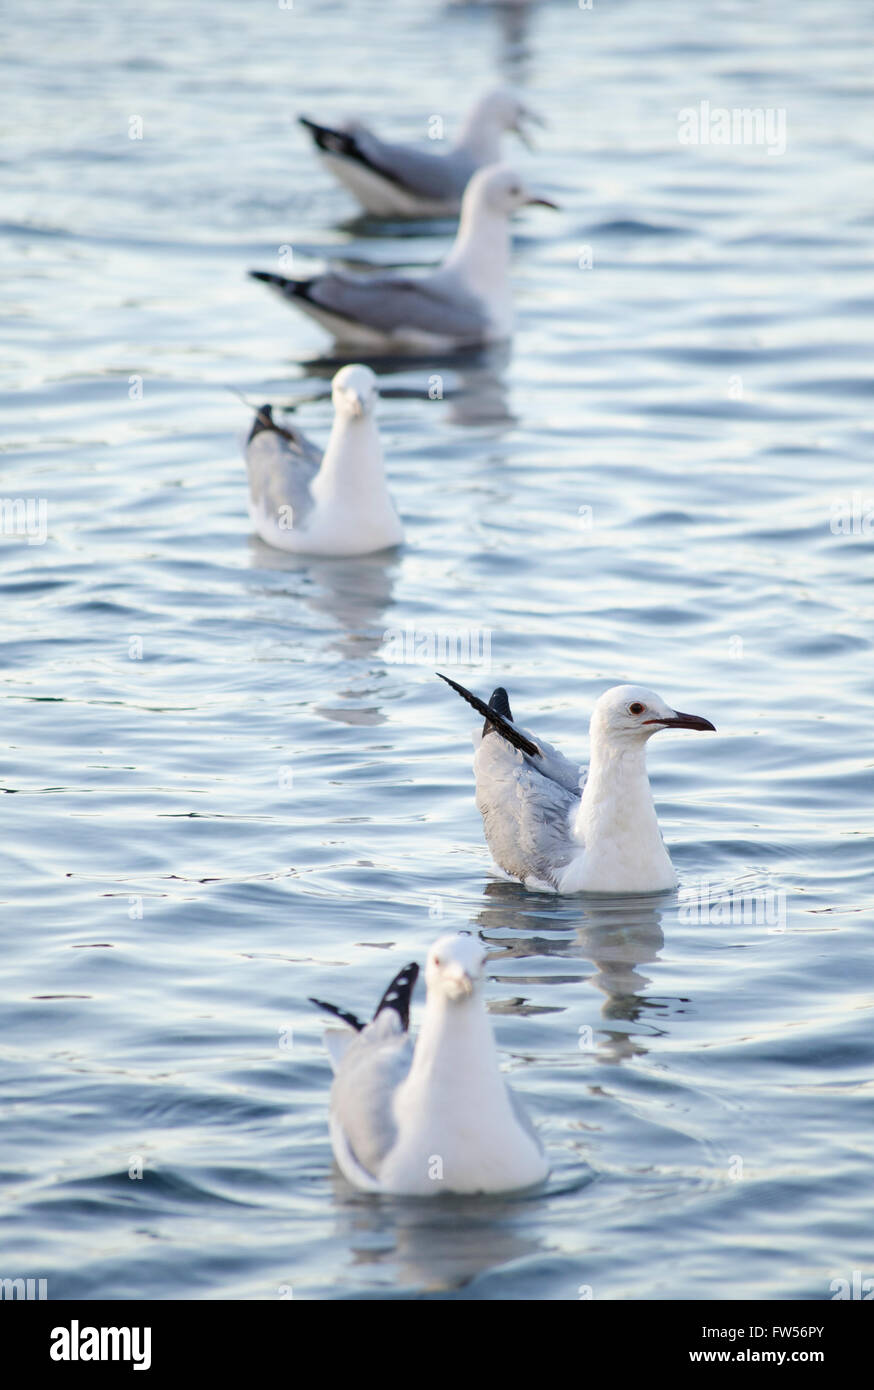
{"points": [[454, 969], [500, 189], [628, 715], [355, 391], [504, 109]]}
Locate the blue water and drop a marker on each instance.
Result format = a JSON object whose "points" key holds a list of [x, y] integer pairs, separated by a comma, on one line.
{"points": [[223, 797]]}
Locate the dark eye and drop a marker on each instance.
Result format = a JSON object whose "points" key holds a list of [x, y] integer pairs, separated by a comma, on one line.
{"points": [[636, 708]]}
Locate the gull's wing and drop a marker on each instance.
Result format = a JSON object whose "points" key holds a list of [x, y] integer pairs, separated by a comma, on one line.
{"points": [[362, 1118], [539, 755], [368, 1071], [433, 177], [555, 766], [525, 791], [387, 303], [526, 815], [281, 464]]}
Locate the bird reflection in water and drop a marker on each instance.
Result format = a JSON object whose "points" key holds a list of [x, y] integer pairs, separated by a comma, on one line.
{"points": [[513, 21], [353, 595], [433, 1244], [617, 934]]}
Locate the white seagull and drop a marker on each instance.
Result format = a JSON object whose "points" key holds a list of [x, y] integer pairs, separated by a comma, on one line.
{"points": [[437, 1116], [467, 301], [558, 827], [336, 504], [400, 180]]}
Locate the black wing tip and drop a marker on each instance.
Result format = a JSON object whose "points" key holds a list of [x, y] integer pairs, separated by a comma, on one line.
{"points": [[500, 702], [399, 994], [495, 718], [342, 1014], [461, 690], [263, 421], [269, 278], [293, 289], [331, 141], [345, 144]]}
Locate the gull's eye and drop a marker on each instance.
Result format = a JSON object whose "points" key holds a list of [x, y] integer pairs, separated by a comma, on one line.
{"points": [[636, 708], [436, 960]]}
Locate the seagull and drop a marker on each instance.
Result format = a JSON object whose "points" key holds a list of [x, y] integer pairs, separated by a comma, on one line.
{"points": [[437, 1116], [336, 504], [560, 828], [466, 302], [394, 180]]}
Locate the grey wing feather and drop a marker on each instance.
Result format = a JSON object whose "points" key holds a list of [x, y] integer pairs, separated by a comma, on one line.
{"points": [[280, 472], [555, 765], [387, 303], [526, 814], [433, 176], [372, 1068]]}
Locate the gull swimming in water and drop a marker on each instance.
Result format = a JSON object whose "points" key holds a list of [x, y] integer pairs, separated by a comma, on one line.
{"points": [[561, 828], [437, 1116], [401, 180], [466, 302], [336, 504]]}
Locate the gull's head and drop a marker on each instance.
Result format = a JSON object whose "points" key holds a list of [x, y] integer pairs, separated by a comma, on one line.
{"points": [[355, 391], [501, 190], [630, 714], [455, 966], [505, 110]]}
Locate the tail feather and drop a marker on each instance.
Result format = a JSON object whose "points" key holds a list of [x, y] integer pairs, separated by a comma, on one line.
{"points": [[399, 993], [497, 716]]}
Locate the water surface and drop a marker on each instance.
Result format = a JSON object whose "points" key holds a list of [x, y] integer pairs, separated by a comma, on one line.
{"points": [[223, 796]]}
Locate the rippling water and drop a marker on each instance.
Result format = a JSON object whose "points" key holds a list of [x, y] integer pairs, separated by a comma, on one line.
{"points": [[224, 795]]}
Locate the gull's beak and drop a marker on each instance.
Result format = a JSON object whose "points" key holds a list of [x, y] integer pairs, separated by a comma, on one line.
{"points": [[459, 985], [354, 404], [683, 721], [541, 203]]}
